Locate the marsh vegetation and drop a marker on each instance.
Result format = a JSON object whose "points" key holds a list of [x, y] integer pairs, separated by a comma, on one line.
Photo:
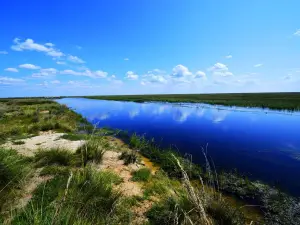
{"points": [[281, 101]]}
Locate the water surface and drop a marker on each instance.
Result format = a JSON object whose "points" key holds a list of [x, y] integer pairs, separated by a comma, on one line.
{"points": [[261, 144]]}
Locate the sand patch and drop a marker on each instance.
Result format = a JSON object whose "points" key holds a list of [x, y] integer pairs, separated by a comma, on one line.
{"points": [[45, 140]]}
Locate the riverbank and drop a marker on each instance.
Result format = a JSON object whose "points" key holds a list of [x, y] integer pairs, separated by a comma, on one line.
{"points": [[104, 180], [278, 101]]}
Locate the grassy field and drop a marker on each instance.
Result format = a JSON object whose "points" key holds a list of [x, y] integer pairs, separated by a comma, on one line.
{"points": [[75, 190], [281, 101]]}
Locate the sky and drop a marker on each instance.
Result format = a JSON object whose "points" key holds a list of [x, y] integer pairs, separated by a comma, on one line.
{"points": [[115, 47]]}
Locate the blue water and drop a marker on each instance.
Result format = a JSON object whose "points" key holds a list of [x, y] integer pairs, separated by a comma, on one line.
{"points": [[261, 144]]}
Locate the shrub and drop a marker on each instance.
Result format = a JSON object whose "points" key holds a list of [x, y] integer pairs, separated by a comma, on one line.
{"points": [[142, 174]]}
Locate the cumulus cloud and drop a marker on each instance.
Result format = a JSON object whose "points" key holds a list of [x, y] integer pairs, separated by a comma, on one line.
{"points": [[220, 69], [154, 76], [297, 33], [10, 81], [3, 52], [45, 72], [87, 73], [200, 74], [30, 45], [29, 66], [228, 56], [258, 65], [12, 70], [181, 71], [75, 59], [130, 75]]}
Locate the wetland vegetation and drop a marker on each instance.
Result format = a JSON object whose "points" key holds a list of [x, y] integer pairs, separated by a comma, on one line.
{"points": [[86, 186], [280, 101]]}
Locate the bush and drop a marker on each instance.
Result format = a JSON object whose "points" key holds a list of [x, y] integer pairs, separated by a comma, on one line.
{"points": [[142, 174]]}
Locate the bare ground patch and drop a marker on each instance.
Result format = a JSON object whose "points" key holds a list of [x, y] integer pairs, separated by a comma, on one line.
{"points": [[45, 140]]}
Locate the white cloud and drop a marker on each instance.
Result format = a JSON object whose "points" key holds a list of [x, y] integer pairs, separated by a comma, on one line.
{"points": [[258, 65], [223, 73], [9, 80], [12, 70], [87, 73], [29, 66], [126, 59], [130, 75], [113, 76], [78, 47], [200, 74], [61, 63], [75, 59], [155, 76], [297, 33], [44, 84], [228, 56], [181, 71], [30, 45], [220, 69], [49, 44], [45, 72], [3, 52], [55, 82]]}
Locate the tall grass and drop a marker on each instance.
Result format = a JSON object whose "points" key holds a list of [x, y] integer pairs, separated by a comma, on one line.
{"points": [[85, 197], [55, 156], [92, 150], [14, 170]]}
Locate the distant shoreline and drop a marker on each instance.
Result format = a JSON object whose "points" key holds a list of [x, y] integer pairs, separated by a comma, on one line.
{"points": [[278, 101]]}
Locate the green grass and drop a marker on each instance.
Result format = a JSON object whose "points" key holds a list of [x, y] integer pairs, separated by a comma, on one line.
{"points": [[56, 156], [92, 150], [24, 117], [73, 137], [85, 197], [142, 174], [14, 171], [289, 101]]}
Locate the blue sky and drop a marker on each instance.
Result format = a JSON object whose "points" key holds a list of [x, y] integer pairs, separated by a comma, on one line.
{"points": [[141, 47]]}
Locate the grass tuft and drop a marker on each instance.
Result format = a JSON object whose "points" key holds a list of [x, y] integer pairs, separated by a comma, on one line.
{"points": [[142, 174], [129, 157], [53, 156], [92, 150]]}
